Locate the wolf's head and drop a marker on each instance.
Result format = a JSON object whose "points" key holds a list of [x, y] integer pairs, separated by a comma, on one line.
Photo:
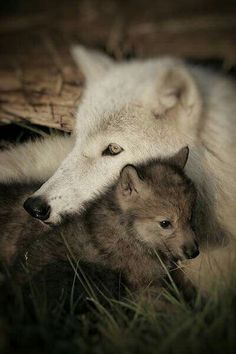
{"points": [[130, 112], [157, 202]]}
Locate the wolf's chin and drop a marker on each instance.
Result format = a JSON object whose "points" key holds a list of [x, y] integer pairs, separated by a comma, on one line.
{"points": [[53, 220]]}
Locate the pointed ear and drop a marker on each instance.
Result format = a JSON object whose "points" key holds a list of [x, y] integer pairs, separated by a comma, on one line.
{"points": [[180, 158], [130, 182], [92, 63], [177, 87]]}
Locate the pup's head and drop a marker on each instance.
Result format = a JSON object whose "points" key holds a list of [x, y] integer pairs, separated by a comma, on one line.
{"points": [[130, 113], [157, 203]]}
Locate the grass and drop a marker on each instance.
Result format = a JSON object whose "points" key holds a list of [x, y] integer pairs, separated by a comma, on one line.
{"points": [[33, 321]]}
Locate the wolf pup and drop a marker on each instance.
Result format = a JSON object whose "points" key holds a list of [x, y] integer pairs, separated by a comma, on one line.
{"points": [[141, 222]]}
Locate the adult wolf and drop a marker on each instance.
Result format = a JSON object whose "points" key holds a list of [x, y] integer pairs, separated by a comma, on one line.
{"points": [[131, 112]]}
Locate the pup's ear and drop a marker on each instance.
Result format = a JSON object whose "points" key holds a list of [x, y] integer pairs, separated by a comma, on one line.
{"points": [[92, 63], [130, 182], [180, 158], [177, 88]]}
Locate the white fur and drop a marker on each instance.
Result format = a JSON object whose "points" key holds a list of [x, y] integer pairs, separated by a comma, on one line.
{"points": [[150, 108], [34, 161]]}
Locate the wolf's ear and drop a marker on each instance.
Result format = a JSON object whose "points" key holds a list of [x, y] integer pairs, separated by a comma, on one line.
{"points": [[130, 182], [180, 158], [177, 88], [92, 63]]}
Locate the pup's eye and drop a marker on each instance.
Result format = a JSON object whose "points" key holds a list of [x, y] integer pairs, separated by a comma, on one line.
{"points": [[165, 224], [112, 149]]}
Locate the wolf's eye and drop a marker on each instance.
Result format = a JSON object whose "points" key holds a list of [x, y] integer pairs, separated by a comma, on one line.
{"points": [[112, 149], [165, 224]]}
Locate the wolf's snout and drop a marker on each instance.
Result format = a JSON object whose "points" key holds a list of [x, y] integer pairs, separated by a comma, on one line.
{"points": [[37, 207], [192, 251]]}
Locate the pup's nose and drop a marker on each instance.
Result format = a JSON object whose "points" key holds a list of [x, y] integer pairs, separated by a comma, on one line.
{"points": [[191, 252], [37, 207]]}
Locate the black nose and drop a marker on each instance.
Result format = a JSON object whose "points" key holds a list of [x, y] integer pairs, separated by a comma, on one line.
{"points": [[37, 207], [191, 252]]}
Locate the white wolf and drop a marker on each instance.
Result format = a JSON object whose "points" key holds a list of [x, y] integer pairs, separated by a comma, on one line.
{"points": [[131, 112]]}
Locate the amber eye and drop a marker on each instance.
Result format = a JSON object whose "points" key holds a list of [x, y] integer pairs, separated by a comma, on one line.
{"points": [[112, 149], [165, 224]]}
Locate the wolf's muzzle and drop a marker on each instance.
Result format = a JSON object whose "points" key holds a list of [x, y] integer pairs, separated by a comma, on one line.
{"points": [[192, 251], [37, 207]]}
